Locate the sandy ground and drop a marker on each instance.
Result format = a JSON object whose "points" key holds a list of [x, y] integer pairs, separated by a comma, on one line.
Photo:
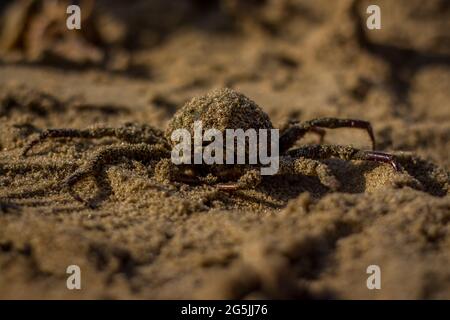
{"points": [[291, 237]]}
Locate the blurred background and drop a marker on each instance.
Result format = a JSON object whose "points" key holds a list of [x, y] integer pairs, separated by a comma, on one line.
{"points": [[297, 58], [139, 61]]}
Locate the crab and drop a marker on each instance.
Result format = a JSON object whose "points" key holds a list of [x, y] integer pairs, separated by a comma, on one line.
{"points": [[220, 109]]}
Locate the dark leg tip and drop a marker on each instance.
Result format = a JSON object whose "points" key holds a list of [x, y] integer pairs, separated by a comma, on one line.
{"points": [[384, 157], [397, 167]]}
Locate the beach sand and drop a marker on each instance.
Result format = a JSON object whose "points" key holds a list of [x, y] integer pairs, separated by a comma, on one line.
{"points": [[291, 237]]}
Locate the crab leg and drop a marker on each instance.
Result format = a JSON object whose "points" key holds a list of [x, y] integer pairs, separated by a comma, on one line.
{"points": [[296, 131], [343, 152]]}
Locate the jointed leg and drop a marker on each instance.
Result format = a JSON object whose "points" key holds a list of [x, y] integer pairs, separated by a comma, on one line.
{"points": [[296, 131], [343, 152], [129, 133], [320, 132], [140, 152], [316, 130]]}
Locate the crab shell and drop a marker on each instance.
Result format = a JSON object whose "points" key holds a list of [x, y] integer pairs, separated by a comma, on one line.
{"points": [[220, 109]]}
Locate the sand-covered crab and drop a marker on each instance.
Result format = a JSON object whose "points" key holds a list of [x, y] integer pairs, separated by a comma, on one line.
{"points": [[220, 109]]}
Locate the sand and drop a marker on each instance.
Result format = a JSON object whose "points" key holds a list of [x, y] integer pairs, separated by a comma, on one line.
{"points": [[291, 237]]}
